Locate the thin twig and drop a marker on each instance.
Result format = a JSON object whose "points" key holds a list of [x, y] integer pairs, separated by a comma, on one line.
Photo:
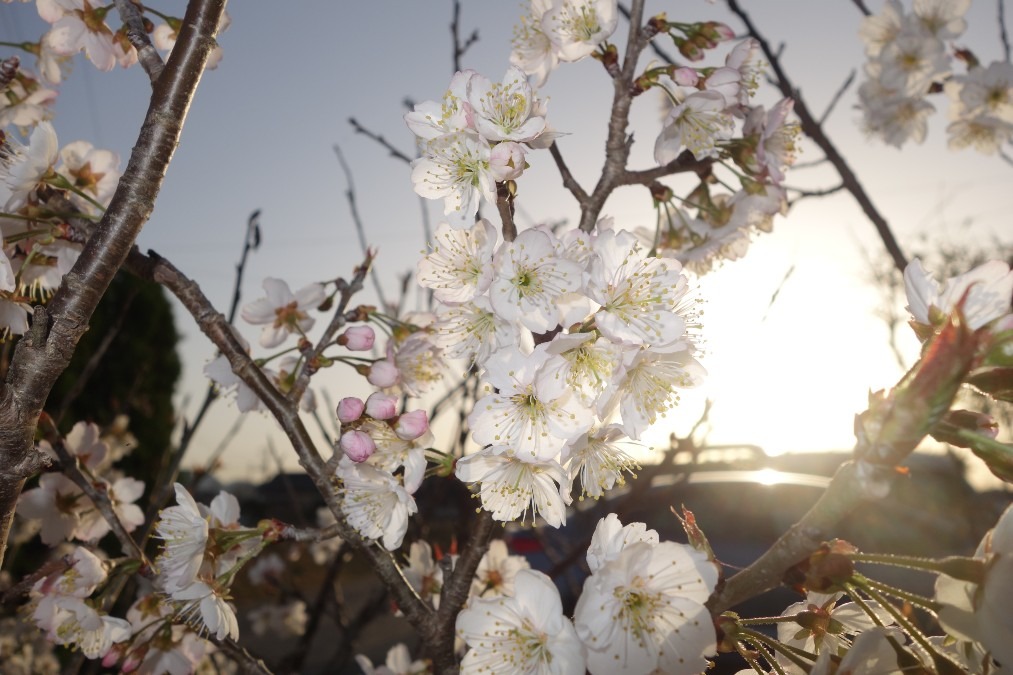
{"points": [[1003, 34], [860, 4], [147, 55], [837, 96], [360, 229], [569, 182], [394, 152], [813, 130], [71, 468], [804, 194], [505, 207], [455, 36], [246, 661]]}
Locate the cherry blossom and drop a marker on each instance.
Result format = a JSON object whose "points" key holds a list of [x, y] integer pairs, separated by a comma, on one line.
{"points": [[90, 170], [530, 277], [576, 27], [209, 604], [526, 417], [526, 633], [989, 289], [642, 610], [497, 570], [432, 119], [399, 662], [507, 111], [510, 488], [533, 51], [375, 502], [284, 312], [697, 124], [24, 167], [455, 168], [459, 266], [184, 531]]}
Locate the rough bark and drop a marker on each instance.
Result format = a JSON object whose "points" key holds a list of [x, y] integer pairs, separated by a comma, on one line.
{"points": [[43, 354]]}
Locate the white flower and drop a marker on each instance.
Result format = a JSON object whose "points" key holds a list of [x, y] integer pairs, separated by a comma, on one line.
{"points": [[455, 168], [986, 133], [879, 30], [375, 502], [987, 91], [185, 532], [831, 625], [81, 27], [533, 52], [57, 502], [507, 111], [942, 18], [392, 452], [423, 573], [216, 614], [583, 363], [530, 277], [980, 612], [531, 417], [989, 289], [911, 62], [600, 461], [497, 570], [577, 27], [776, 139], [24, 103], [459, 267], [893, 117], [24, 168], [432, 119], [510, 487], [282, 311], [472, 331], [871, 653], [611, 537], [418, 361], [643, 611], [90, 170], [698, 124], [399, 662], [122, 493], [648, 389], [523, 634], [639, 295]]}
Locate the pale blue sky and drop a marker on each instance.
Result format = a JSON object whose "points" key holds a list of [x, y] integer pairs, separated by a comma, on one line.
{"points": [[260, 136]]}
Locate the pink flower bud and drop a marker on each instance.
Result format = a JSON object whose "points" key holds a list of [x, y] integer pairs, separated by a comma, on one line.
{"points": [[357, 338], [383, 374], [357, 445], [686, 77], [506, 161], [350, 409], [411, 425], [381, 406]]}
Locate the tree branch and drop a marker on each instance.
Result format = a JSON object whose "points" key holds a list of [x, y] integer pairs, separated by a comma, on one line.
{"points": [[147, 55], [43, 354], [812, 129]]}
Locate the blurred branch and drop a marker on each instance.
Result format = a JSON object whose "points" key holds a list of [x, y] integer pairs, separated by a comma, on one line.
{"points": [[569, 182], [394, 152], [1003, 34], [813, 130], [455, 34], [803, 194], [837, 96], [360, 229], [860, 4]]}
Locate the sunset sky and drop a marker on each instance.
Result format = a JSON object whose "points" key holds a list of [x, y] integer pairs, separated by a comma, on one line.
{"points": [[787, 375]]}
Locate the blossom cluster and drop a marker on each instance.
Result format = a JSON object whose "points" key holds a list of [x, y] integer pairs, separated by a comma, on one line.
{"points": [[39, 244], [641, 611], [62, 509], [910, 57], [613, 327]]}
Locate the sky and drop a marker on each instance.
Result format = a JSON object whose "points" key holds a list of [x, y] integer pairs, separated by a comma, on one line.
{"points": [[788, 376]]}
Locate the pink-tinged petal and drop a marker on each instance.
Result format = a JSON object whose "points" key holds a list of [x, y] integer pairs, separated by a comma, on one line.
{"points": [[350, 409], [278, 292], [381, 406], [357, 338], [356, 445], [412, 425]]}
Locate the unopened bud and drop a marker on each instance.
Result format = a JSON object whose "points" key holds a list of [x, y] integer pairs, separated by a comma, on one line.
{"points": [[357, 338], [411, 425], [830, 567], [357, 445], [381, 406], [350, 409], [382, 374], [716, 31]]}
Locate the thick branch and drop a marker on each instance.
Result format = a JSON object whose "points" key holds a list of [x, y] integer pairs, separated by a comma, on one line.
{"points": [[43, 355]]}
